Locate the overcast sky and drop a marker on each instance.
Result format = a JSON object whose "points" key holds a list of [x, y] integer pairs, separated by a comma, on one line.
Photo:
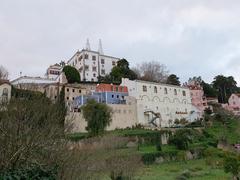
{"points": [[191, 37]]}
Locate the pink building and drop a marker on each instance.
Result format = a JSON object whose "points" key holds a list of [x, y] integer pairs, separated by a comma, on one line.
{"points": [[198, 99], [234, 103]]}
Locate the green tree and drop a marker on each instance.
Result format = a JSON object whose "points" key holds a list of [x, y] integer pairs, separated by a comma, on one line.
{"points": [[209, 90], [120, 71], [98, 117], [62, 106], [173, 79], [72, 74], [225, 87], [232, 165]]}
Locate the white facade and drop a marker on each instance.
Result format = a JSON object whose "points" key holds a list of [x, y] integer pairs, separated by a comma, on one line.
{"points": [[159, 103], [32, 80], [32, 83], [92, 64], [53, 71]]}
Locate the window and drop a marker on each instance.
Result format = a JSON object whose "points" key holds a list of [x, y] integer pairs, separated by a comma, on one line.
{"points": [[86, 56], [122, 88], [67, 98], [80, 91], [5, 94], [102, 61], [117, 96], [184, 93], [144, 88], [175, 92], [55, 97], [112, 96], [72, 98], [155, 89], [92, 79], [94, 68], [73, 90], [165, 90], [103, 71], [80, 58], [94, 75], [67, 89], [86, 67], [113, 63], [93, 58]]}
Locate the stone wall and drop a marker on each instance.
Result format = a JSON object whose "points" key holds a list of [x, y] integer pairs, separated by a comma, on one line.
{"points": [[124, 115]]}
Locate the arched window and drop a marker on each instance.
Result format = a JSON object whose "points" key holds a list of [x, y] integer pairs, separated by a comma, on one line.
{"points": [[5, 94], [165, 90], [175, 92], [184, 93], [155, 89]]}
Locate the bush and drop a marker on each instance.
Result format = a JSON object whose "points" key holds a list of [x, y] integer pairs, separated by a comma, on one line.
{"points": [[98, 117], [33, 172], [149, 158]]}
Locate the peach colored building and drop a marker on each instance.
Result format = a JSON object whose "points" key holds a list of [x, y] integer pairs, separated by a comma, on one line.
{"points": [[111, 88], [199, 101]]}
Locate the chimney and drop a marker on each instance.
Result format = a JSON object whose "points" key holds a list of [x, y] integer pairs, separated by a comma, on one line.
{"points": [[88, 45], [100, 49]]}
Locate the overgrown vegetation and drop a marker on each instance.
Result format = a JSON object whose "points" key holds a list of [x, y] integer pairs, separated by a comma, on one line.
{"points": [[98, 117]]}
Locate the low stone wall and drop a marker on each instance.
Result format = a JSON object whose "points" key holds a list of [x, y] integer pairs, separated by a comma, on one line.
{"points": [[124, 115]]}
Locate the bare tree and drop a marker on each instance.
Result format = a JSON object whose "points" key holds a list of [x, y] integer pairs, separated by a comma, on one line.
{"points": [[3, 73], [152, 71]]}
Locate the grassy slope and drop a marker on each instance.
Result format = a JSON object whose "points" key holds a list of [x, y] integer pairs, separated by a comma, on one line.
{"points": [[231, 130], [169, 171]]}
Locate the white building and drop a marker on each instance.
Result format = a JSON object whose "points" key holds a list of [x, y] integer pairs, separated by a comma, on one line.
{"points": [[159, 105], [92, 64], [54, 71], [32, 83]]}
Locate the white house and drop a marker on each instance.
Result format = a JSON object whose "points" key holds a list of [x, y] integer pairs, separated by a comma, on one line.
{"points": [[54, 71], [158, 104], [92, 64], [32, 83]]}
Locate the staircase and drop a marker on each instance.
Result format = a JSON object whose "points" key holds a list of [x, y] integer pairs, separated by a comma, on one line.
{"points": [[156, 116]]}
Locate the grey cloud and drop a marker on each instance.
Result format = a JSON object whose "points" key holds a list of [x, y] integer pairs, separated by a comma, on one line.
{"points": [[190, 37]]}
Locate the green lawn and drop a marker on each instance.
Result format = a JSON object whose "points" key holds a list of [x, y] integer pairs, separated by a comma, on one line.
{"points": [[169, 171]]}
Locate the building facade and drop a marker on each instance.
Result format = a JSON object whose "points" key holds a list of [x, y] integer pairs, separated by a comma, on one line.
{"points": [[71, 92], [124, 115], [92, 64], [157, 104], [5, 91], [233, 104], [105, 93], [199, 101], [32, 83], [54, 71]]}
